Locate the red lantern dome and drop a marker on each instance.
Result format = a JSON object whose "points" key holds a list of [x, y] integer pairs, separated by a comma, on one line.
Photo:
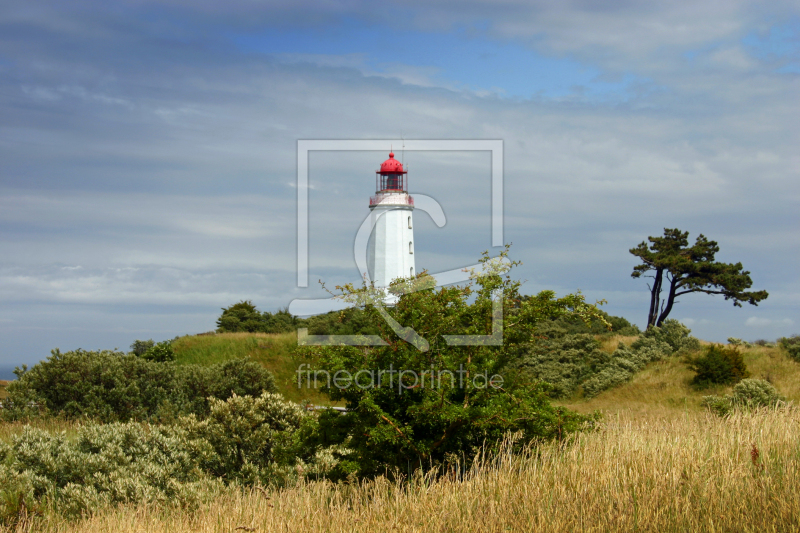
{"points": [[392, 166]]}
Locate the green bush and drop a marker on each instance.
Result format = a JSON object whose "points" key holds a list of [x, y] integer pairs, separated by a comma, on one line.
{"points": [[254, 440], [105, 464], [755, 393], [719, 365], [618, 325], [623, 364], [244, 317], [792, 346], [140, 347], [111, 386], [747, 394], [244, 440], [399, 423], [160, 353], [673, 333]]}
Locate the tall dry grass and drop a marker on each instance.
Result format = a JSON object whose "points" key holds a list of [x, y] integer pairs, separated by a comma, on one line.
{"points": [[692, 473]]}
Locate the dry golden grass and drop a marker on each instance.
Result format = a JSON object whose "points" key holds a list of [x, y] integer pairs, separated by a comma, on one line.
{"points": [[695, 472], [611, 342], [3, 385], [53, 425]]}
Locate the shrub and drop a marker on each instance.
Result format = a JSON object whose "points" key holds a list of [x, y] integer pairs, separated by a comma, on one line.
{"points": [[399, 423], [675, 334], [160, 353], [747, 394], [718, 365], [140, 347], [755, 393], [792, 346], [104, 464], [244, 316], [244, 440], [624, 363], [254, 440], [568, 362], [618, 325], [111, 386]]}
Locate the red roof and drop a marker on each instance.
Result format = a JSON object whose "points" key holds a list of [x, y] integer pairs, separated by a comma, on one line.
{"points": [[392, 166]]}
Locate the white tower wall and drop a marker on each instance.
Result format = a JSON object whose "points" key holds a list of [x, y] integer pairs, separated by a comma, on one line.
{"points": [[391, 246]]}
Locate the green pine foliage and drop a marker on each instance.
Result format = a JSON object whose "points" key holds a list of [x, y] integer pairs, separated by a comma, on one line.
{"points": [[718, 365]]}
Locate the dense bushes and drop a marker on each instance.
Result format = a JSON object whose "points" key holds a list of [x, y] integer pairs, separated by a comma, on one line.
{"points": [[572, 361], [104, 464], [111, 386], [792, 346], [243, 440], [244, 316], [718, 365], [747, 394], [254, 439], [438, 389]]}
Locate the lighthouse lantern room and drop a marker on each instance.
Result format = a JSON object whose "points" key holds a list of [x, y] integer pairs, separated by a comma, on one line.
{"points": [[391, 245]]}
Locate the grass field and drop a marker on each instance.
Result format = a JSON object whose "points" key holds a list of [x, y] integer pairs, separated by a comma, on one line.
{"points": [[694, 472], [276, 352]]}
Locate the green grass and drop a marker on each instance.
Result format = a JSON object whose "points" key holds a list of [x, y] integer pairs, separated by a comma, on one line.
{"points": [[276, 352], [663, 388]]}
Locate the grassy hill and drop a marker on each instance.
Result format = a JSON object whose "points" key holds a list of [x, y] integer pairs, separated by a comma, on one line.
{"points": [[663, 390], [275, 351]]}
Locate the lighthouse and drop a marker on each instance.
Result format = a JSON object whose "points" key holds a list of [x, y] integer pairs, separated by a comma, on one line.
{"points": [[391, 245]]}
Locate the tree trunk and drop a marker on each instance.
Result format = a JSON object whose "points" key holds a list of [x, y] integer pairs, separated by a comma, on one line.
{"points": [[655, 294], [673, 286]]}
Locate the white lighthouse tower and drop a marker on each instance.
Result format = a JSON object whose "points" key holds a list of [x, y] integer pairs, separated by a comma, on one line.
{"points": [[391, 245]]}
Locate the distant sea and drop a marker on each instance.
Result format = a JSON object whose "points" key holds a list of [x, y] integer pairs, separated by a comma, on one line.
{"points": [[7, 372]]}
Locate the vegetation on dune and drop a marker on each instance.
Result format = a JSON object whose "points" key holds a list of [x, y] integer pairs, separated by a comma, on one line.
{"points": [[456, 422], [792, 346], [575, 363], [422, 398], [110, 386], [718, 365], [688, 473]]}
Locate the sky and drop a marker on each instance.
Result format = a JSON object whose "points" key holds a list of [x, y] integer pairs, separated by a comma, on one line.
{"points": [[148, 152]]}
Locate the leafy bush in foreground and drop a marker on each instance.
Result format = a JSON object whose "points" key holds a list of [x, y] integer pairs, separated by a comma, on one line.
{"points": [[747, 394], [244, 440], [719, 365], [111, 386], [410, 420], [105, 464], [254, 440]]}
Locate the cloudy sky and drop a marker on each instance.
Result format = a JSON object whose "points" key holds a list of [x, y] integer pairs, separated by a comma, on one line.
{"points": [[148, 151]]}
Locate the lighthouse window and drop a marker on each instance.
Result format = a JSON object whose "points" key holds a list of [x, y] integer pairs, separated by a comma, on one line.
{"points": [[410, 249], [411, 271], [409, 222]]}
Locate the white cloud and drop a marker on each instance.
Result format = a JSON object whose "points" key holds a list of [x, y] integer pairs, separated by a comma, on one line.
{"points": [[760, 322]]}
